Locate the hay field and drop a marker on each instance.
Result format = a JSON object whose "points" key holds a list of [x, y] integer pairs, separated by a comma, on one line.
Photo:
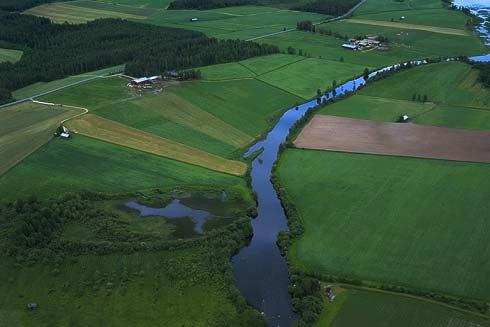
{"points": [[25, 127], [414, 222], [113, 132]]}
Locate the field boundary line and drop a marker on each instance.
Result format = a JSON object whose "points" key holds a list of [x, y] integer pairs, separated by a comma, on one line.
{"points": [[285, 65]]}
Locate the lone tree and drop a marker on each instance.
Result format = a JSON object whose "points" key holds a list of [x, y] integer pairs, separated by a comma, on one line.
{"points": [[424, 99], [365, 74], [414, 97], [334, 87]]}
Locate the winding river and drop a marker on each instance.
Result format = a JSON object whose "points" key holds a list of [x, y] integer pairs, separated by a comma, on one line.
{"points": [[261, 273]]}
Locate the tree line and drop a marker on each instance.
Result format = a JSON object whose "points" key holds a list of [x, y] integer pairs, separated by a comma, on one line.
{"points": [[328, 7], [53, 51], [21, 5], [484, 73]]}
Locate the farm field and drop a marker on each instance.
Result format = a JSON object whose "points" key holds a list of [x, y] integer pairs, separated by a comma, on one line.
{"points": [[117, 133], [25, 127], [333, 133], [77, 12], [366, 308], [431, 12], [119, 290], [41, 87], [161, 4], [455, 98], [10, 55], [61, 166], [411, 218]]}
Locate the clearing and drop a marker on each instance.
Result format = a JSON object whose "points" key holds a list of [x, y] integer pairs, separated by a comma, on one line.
{"points": [[396, 139], [397, 220], [10, 55]]}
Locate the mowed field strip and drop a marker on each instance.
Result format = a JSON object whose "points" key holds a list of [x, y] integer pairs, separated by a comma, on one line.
{"points": [[26, 127], [374, 137], [434, 29], [113, 132]]}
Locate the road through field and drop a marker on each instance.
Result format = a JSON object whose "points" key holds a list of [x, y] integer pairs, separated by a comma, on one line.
{"points": [[398, 139]]}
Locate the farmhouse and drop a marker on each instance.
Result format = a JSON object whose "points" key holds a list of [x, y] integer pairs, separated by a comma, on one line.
{"points": [[349, 46], [370, 42], [194, 19], [144, 82]]}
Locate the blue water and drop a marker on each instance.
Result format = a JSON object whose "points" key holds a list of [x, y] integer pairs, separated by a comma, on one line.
{"points": [[481, 8]]}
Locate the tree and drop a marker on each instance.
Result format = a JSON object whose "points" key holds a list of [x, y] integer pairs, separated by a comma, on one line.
{"points": [[319, 93], [418, 98], [291, 50], [424, 100], [365, 74], [341, 59], [414, 97]]}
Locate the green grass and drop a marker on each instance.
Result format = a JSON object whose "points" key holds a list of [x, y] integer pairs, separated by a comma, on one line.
{"points": [[170, 288], [365, 308], [87, 164], [424, 12], [414, 222], [24, 128], [239, 22], [77, 12], [227, 71], [10, 55], [41, 87], [456, 98], [160, 4], [304, 77]]}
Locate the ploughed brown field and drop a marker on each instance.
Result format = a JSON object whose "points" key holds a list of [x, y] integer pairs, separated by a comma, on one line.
{"points": [[399, 139]]}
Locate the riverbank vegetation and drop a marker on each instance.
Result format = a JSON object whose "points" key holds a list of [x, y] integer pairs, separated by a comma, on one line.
{"points": [[52, 55], [455, 96]]}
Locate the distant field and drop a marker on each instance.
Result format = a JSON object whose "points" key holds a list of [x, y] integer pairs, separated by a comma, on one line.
{"points": [[25, 127], [162, 4], [455, 98], [364, 308], [77, 12], [9, 55], [428, 28], [63, 166], [411, 217], [423, 12], [113, 132], [40, 87], [118, 290]]}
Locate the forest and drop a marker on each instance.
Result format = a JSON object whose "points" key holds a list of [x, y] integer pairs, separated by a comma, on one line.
{"points": [[484, 70], [328, 7], [54, 51]]}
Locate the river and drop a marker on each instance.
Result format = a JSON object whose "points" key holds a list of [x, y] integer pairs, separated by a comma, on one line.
{"points": [[261, 272], [480, 8]]}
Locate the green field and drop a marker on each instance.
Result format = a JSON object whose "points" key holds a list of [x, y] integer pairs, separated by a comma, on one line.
{"points": [[364, 308], [65, 166], [77, 12], [161, 4], [425, 12], [10, 55], [41, 87], [456, 98], [25, 127], [413, 222]]}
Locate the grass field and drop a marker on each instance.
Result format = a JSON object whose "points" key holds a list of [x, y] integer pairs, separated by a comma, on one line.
{"points": [[77, 12], [365, 308], [171, 288], [10, 55], [25, 127], [456, 98], [117, 133], [161, 4], [216, 116], [41, 87], [423, 12], [66, 166], [420, 223]]}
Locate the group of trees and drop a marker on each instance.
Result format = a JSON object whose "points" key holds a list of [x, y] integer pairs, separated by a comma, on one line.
{"points": [[305, 25], [54, 51], [329, 7], [484, 70], [21, 5], [420, 98]]}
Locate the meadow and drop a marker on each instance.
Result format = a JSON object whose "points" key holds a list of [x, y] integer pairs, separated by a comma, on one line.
{"points": [[62, 166], [424, 12], [161, 4], [455, 98], [411, 218], [365, 308], [25, 127], [171, 288], [10, 55]]}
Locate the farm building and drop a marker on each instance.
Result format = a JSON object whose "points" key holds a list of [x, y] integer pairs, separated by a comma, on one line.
{"points": [[194, 19], [349, 46], [144, 81]]}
